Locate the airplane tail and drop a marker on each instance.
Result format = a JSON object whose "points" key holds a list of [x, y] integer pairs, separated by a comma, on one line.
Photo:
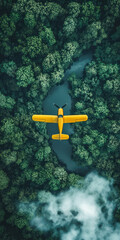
{"points": [[60, 136]]}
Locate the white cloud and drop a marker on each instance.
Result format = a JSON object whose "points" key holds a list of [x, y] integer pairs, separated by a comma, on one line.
{"points": [[77, 214]]}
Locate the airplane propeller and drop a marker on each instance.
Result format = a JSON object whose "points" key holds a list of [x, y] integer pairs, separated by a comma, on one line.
{"points": [[64, 105], [58, 106]]}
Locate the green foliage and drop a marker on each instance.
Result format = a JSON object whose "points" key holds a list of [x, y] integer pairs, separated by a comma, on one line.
{"points": [[82, 152], [54, 184], [6, 102], [60, 173], [87, 140], [44, 196], [108, 52], [57, 75], [8, 157], [113, 143], [48, 36], [101, 140], [73, 9], [34, 176], [2, 213], [5, 47], [38, 41], [69, 26], [27, 6], [4, 180], [51, 61], [53, 10], [70, 50], [116, 35], [40, 155], [100, 107], [24, 76], [79, 106], [107, 71], [8, 126], [93, 35], [29, 20], [112, 85], [75, 180], [113, 9], [12, 133], [7, 27], [33, 46], [47, 151], [96, 94], [44, 82], [9, 68], [19, 222], [88, 13]]}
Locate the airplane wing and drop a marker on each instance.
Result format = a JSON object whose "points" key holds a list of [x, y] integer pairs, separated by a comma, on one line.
{"points": [[74, 118], [45, 118]]}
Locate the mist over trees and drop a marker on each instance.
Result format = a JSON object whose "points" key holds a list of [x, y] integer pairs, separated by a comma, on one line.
{"points": [[39, 40]]}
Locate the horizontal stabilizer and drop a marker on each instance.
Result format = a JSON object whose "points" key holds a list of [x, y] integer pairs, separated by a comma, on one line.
{"points": [[60, 136]]}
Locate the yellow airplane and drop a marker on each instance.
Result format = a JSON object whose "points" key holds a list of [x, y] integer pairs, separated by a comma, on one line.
{"points": [[60, 119]]}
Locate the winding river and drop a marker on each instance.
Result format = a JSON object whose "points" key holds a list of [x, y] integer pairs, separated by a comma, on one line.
{"points": [[59, 95]]}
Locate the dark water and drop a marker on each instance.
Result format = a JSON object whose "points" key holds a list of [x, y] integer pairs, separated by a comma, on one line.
{"points": [[60, 96]]}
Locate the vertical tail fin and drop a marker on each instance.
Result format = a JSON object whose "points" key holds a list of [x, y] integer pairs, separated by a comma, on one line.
{"points": [[60, 137]]}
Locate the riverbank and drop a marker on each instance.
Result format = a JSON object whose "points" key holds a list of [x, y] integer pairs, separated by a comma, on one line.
{"points": [[60, 95]]}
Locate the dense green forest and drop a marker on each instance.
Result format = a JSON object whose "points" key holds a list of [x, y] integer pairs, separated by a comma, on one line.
{"points": [[39, 40]]}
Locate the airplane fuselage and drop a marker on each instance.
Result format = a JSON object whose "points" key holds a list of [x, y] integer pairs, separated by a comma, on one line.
{"points": [[60, 120]]}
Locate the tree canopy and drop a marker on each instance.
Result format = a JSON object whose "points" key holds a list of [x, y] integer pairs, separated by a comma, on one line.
{"points": [[39, 41]]}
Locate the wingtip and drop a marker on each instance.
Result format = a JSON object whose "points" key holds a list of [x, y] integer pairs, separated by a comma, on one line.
{"points": [[33, 117]]}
